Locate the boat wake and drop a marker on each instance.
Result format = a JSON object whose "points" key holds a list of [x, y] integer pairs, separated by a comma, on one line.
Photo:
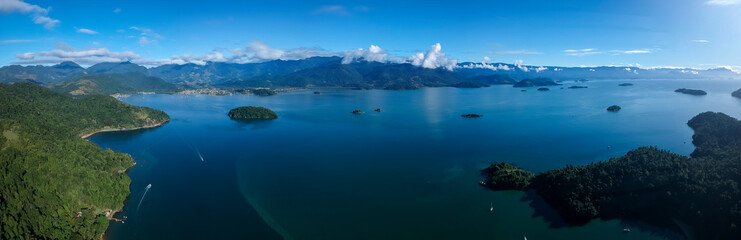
{"points": [[144, 195], [199, 155]]}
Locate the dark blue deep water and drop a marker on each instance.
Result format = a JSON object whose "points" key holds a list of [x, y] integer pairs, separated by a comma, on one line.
{"points": [[409, 172]]}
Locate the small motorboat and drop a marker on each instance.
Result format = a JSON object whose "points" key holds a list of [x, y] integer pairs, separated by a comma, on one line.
{"points": [[491, 207], [626, 229]]}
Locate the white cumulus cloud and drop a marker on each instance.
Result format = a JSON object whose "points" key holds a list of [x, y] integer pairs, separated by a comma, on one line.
{"points": [[434, 58], [723, 2], [64, 52], [581, 52], [372, 54], [38, 14], [86, 31]]}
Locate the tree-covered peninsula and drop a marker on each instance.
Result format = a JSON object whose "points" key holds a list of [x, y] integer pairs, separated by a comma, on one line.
{"points": [[250, 112], [49, 173], [736, 93], [652, 185]]}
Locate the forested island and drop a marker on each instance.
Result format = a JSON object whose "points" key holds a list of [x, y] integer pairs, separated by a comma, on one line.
{"points": [[250, 112], [469, 85], [691, 91], [471, 115], [736, 93], [55, 184], [536, 82], [625, 84], [613, 108], [649, 184]]}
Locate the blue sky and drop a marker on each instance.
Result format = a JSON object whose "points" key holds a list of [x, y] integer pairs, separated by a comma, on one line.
{"points": [[687, 33]]}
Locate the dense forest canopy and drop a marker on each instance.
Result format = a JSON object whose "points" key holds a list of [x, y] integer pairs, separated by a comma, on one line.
{"points": [[653, 185], [695, 92], [49, 173], [112, 83], [250, 112]]}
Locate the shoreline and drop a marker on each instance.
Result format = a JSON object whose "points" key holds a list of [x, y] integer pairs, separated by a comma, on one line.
{"points": [[86, 136]]}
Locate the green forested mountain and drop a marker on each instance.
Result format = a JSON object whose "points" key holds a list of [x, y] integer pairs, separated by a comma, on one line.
{"points": [[48, 173], [117, 67], [39, 74], [106, 84], [656, 186], [361, 75]]}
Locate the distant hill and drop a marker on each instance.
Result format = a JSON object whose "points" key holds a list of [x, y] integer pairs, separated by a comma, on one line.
{"points": [[117, 67], [332, 72], [494, 79], [39, 74], [363, 75], [107, 84]]}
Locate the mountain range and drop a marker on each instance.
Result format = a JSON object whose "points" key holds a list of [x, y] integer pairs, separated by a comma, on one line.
{"points": [[324, 72]]}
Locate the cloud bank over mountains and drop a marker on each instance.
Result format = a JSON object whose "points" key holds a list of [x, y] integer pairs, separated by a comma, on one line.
{"points": [[253, 52]]}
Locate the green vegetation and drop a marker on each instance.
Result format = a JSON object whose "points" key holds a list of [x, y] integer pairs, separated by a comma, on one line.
{"points": [[356, 112], [656, 186], [469, 85], [614, 108], [536, 82], [107, 84], [48, 173], [251, 112], [263, 92], [504, 176], [736, 93], [691, 91], [494, 79]]}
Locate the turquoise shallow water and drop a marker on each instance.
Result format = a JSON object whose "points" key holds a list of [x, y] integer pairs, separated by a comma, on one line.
{"points": [[409, 172]]}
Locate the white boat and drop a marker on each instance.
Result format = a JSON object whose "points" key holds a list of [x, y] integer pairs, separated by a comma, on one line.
{"points": [[149, 186], [525, 237], [491, 207]]}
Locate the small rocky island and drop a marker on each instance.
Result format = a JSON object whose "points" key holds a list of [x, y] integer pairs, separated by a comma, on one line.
{"points": [[250, 112], [576, 87], [317, 92], [613, 108], [471, 115], [378, 110], [737, 93], [544, 89], [691, 91], [356, 112], [625, 84]]}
